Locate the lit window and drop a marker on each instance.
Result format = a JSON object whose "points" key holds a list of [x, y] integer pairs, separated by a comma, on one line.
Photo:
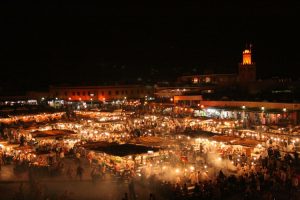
{"points": [[207, 79], [195, 80]]}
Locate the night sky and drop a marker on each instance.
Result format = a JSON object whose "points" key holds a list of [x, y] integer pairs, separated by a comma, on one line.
{"points": [[44, 44]]}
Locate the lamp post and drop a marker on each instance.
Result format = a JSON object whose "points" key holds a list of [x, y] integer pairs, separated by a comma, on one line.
{"points": [[244, 116], [92, 100], [262, 115], [284, 115]]}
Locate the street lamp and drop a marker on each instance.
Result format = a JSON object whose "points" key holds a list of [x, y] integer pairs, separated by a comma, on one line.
{"points": [[262, 115], [244, 116]]}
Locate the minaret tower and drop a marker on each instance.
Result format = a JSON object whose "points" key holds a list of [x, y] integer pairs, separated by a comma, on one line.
{"points": [[247, 69]]}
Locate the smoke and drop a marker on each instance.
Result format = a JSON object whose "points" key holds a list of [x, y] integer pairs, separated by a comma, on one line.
{"points": [[216, 162]]}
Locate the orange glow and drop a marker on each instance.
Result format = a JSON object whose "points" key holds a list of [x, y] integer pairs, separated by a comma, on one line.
{"points": [[247, 57], [195, 80]]}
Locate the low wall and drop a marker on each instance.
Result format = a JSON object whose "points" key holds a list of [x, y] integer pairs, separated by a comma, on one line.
{"points": [[251, 104]]}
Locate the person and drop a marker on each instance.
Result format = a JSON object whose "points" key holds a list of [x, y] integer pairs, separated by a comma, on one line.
{"points": [[177, 189], [22, 140], [196, 190], [131, 190], [70, 172], [95, 174], [296, 158], [185, 190], [125, 196], [1, 160], [79, 171], [151, 196], [221, 175]]}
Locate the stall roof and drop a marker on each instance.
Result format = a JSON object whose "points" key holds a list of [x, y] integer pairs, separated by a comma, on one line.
{"points": [[118, 149], [49, 133]]}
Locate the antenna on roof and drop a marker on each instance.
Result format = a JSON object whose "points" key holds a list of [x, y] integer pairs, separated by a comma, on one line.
{"points": [[250, 47]]}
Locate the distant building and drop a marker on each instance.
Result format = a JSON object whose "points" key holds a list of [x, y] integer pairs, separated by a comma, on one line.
{"points": [[247, 69], [210, 83], [101, 93], [191, 100], [246, 74], [209, 80]]}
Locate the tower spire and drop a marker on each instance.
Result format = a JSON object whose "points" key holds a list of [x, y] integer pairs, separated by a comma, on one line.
{"points": [[247, 56], [247, 69]]}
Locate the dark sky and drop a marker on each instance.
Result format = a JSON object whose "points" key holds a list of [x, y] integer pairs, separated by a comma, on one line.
{"points": [[44, 44]]}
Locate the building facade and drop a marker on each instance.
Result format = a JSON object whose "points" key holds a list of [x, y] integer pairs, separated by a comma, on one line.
{"points": [[246, 74], [101, 93], [247, 69], [210, 79]]}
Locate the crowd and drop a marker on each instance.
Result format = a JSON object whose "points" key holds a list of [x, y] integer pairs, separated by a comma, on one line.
{"points": [[274, 178], [272, 174]]}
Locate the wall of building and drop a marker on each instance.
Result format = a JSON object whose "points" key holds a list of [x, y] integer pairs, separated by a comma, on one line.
{"points": [[37, 95], [251, 104], [101, 92], [219, 79], [188, 100], [247, 73]]}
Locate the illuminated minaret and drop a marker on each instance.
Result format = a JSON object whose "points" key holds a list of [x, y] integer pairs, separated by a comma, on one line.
{"points": [[247, 57], [247, 69]]}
